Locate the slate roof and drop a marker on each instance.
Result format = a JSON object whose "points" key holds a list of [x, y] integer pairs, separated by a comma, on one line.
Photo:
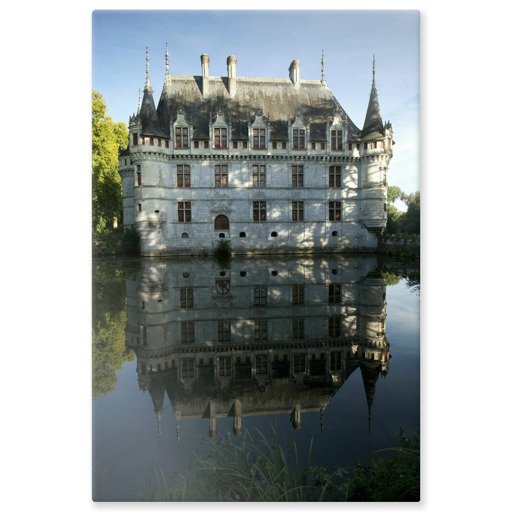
{"points": [[277, 98]]}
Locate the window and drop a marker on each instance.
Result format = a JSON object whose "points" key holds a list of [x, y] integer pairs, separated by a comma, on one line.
{"points": [[313, 145], [135, 139], [166, 144], [335, 176], [187, 332], [334, 210], [260, 295], [181, 137], [159, 143], [261, 362], [258, 138], [298, 328], [196, 144], [336, 140], [220, 138], [151, 141], [297, 176], [299, 363], [283, 145], [139, 176], [187, 368], [221, 176], [183, 176], [259, 211], [259, 176], [224, 366], [334, 327], [274, 145], [223, 331], [335, 361], [139, 207], [334, 294], [260, 329], [186, 298], [298, 294], [297, 211], [184, 211], [298, 138]]}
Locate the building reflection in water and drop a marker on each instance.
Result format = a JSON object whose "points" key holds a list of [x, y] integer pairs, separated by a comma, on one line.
{"points": [[264, 336]]}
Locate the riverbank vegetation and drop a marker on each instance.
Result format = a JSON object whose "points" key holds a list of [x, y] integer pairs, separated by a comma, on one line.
{"points": [[258, 469]]}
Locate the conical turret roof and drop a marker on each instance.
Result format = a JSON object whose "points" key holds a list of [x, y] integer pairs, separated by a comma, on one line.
{"points": [[373, 126], [148, 115]]}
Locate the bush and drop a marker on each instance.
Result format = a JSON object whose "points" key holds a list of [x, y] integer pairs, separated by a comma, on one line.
{"points": [[131, 242]]}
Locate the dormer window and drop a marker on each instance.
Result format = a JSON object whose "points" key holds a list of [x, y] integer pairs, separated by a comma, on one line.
{"points": [[298, 138], [181, 137], [336, 140], [259, 138], [220, 138]]}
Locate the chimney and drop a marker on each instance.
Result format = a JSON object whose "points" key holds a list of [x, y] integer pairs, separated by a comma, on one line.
{"points": [[205, 70], [231, 62], [294, 70]]}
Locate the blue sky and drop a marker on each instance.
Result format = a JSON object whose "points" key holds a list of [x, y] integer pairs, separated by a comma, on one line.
{"points": [[265, 42]]}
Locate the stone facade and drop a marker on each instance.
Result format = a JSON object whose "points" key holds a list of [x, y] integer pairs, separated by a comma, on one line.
{"points": [[270, 165]]}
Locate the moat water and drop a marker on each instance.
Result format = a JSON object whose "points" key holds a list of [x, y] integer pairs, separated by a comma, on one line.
{"points": [[320, 352]]}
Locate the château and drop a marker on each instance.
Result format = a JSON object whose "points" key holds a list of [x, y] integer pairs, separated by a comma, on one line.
{"points": [[272, 165]]}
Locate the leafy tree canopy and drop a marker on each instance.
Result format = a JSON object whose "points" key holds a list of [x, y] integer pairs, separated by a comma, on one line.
{"points": [[108, 137]]}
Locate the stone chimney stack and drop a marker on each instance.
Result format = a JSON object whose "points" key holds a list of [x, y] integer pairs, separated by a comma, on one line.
{"points": [[231, 62], [205, 71], [294, 71]]}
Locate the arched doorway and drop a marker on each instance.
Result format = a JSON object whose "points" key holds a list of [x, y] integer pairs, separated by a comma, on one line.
{"points": [[221, 222]]}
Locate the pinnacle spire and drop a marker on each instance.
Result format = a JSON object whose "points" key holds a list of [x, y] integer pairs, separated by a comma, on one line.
{"points": [[323, 69], [166, 62], [373, 125], [147, 85]]}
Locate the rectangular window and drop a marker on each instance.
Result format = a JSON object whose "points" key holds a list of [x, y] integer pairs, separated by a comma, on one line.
{"points": [[298, 328], [297, 176], [297, 211], [335, 210], [258, 138], [336, 140], [259, 211], [260, 295], [260, 329], [151, 141], [334, 327], [335, 361], [298, 138], [183, 176], [224, 366], [135, 139], [335, 176], [187, 332], [274, 145], [298, 294], [196, 144], [259, 176], [283, 145], [244, 144], [186, 298], [181, 137], [187, 368], [139, 176], [206, 144], [184, 211], [221, 176], [166, 144], [334, 294], [235, 144], [224, 331], [299, 363], [220, 138], [139, 207], [261, 362], [313, 145], [159, 143]]}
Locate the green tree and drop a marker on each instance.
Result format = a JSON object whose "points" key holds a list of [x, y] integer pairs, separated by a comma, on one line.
{"points": [[410, 220], [108, 137]]}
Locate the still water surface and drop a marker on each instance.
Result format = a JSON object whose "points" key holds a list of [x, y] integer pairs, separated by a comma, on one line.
{"points": [[325, 349]]}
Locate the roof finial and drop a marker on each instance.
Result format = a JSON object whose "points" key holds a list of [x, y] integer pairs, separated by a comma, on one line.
{"points": [[373, 80], [147, 86], [139, 103], [323, 69], [166, 60]]}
